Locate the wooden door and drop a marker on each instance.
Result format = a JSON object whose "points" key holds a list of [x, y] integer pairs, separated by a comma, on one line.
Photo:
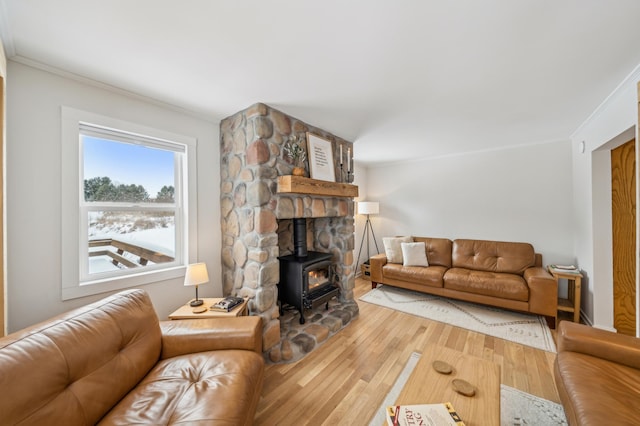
{"points": [[623, 209], [2, 132]]}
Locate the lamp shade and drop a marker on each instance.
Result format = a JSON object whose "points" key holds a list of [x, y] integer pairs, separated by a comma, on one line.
{"points": [[196, 274], [368, 207]]}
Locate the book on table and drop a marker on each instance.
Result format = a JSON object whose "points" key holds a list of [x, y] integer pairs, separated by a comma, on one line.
{"points": [[442, 414], [227, 304], [566, 269]]}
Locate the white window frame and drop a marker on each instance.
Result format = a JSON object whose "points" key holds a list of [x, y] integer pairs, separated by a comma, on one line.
{"points": [[74, 249]]}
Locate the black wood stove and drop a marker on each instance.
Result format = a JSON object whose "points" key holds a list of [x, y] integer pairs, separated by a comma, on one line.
{"points": [[306, 277]]}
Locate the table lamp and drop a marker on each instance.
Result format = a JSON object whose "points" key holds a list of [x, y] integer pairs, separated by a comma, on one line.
{"points": [[196, 274]]}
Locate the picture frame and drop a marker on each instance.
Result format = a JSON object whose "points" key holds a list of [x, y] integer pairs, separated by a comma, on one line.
{"points": [[320, 154]]}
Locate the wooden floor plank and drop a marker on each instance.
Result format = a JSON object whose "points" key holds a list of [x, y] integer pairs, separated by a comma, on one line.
{"points": [[346, 379]]}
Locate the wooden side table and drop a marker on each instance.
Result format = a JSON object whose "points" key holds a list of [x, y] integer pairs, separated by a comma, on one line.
{"points": [[572, 302], [186, 312]]}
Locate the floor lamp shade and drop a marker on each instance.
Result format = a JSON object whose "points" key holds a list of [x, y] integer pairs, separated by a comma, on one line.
{"points": [[368, 207], [196, 274]]}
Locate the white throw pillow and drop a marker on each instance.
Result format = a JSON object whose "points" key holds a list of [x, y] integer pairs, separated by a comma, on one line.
{"points": [[414, 254], [392, 248]]}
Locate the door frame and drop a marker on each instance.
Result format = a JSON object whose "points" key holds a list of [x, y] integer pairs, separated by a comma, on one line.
{"points": [[3, 133], [602, 232], [619, 244]]}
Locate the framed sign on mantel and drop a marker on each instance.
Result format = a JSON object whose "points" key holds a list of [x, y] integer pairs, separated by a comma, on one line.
{"points": [[320, 153]]}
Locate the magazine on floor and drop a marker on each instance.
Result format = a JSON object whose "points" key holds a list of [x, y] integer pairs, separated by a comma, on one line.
{"points": [[442, 414]]}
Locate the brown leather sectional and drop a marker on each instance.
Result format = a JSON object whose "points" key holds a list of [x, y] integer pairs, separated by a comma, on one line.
{"points": [[113, 362], [504, 274], [597, 373]]}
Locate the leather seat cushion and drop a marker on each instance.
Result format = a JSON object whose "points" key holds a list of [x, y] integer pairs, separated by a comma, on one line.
{"points": [[494, 284], [217, 386], [617, 385], [430, 275]]}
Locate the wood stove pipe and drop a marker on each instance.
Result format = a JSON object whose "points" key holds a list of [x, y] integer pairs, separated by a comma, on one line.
{"points": [[300, 237]]}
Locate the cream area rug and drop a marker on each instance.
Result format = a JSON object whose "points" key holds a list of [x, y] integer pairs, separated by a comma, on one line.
{"points": [[517, 408], [530, 330]]}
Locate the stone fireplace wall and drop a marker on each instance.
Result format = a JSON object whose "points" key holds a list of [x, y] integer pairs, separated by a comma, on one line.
{"points": [[256, 220]]}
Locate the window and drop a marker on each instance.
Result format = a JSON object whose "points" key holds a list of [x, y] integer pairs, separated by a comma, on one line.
{"points": [[126, 219]]}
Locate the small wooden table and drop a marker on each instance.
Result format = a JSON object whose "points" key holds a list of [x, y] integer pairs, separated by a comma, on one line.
{"points": [[426, 386], [186, 312], [572, 302]]}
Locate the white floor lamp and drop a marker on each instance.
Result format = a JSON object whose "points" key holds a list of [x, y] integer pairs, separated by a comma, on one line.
{"points": [[367, 208]]}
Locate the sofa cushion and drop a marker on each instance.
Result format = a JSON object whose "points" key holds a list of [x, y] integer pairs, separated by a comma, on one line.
{"points": [[438, 250], [78, 365], [596, 391], [493, 256], [201, 388], [504, 286], [430, 276], [393, 248], [414, 254]]}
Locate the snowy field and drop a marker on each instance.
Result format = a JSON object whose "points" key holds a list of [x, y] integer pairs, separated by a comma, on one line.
{"points": [[154, 232]]}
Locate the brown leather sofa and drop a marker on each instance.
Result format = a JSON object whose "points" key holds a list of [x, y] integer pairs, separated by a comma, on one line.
{"points": [[504, 274], [597, 374], [113, 362]]}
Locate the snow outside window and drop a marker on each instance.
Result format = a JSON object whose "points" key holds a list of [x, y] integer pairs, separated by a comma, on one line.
{"points": [[131, 195]]}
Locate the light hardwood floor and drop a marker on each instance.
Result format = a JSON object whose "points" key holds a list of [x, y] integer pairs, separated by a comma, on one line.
{"points": [[345, 380]]}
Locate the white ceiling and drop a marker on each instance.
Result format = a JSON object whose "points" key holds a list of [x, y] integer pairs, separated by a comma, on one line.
{"points": [[404, 79]]}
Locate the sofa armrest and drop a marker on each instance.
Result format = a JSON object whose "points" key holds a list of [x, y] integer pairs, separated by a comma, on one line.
{"points": [[180, 337], [376, 262], [543, 291], [603, 344]]}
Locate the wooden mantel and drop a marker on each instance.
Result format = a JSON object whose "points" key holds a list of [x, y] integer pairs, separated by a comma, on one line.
{"points": [[303, 185]]}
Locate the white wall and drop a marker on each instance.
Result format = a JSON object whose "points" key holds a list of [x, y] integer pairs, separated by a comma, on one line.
{"points": [[612, 124], [3, 288], [517, 194], [34, 98], [3, 61]]}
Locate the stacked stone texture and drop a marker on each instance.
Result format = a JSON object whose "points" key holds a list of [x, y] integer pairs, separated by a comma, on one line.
{"points": [[256, 220]]}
